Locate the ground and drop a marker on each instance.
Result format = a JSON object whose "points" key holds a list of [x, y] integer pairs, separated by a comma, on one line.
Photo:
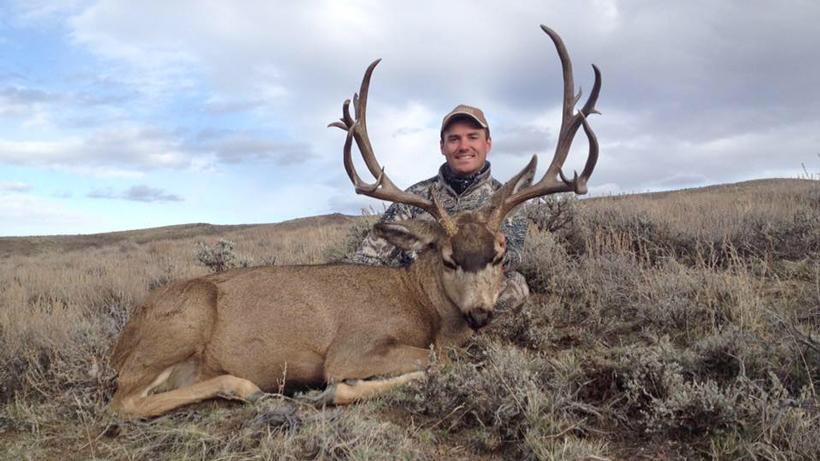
{"points": [[662, 326]]}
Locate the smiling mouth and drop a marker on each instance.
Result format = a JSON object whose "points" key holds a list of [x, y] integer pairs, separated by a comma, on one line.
{"points": [[465, 156]]}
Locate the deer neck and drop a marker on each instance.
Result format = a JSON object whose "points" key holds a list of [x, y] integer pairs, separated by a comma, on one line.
{"points": [[424, 280]]}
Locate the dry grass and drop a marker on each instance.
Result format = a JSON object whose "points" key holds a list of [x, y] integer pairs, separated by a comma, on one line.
{"points": [[677, 325]]}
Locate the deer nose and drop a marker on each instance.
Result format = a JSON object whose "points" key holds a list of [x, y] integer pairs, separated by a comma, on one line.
{"points": [[478, 318]]}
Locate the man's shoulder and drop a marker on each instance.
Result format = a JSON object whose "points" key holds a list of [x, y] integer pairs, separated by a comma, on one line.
{"points": [[485, 186], [487, 181], [422, 187], [399, 211]]}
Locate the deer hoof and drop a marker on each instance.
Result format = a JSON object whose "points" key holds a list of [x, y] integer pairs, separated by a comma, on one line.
{"points": [[256, 396], [320, 399]]}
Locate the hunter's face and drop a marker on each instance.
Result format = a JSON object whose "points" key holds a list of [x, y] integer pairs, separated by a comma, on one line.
{"points": [[465, 147]]}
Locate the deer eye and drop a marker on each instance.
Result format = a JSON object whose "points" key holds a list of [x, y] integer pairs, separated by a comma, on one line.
{"points": [[448, 264]]}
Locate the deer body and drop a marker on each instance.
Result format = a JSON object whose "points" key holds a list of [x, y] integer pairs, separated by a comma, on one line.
{"points": [[360, 329], [240, 326], [242, 322]]}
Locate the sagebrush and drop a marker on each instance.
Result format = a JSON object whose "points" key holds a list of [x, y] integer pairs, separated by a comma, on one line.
{"points": [[675, 325]]}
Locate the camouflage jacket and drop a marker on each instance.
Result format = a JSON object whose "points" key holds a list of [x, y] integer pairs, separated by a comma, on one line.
{"points": [[376, 251]]}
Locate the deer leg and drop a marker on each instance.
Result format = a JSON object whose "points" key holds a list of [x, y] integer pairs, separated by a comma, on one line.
{"points": [[355, 390], [385, 365], [142, 405], [380, 359]]}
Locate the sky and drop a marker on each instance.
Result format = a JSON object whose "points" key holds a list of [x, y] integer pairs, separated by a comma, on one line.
{"points": [[118, 115]]}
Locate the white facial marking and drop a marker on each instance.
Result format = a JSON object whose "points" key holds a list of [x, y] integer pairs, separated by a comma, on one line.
{"points": [[471, 290]]}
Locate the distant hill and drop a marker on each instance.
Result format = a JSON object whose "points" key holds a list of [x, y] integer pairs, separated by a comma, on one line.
{"points": [[755, 185], [38, 244], [61, 243]]}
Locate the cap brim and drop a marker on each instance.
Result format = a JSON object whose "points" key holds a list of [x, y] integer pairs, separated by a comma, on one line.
{"points": [[466, 114]]}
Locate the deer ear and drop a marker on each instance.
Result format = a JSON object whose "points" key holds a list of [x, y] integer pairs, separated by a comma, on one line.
{"points": [[410, 235], [500, 247]]}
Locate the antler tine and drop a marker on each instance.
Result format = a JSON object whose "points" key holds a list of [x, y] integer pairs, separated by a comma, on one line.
{"points": [[346, 113], [361, 187], [346, 121], [383, 188], [592, 158], [360, 131], [554, 180], [589, 106]]}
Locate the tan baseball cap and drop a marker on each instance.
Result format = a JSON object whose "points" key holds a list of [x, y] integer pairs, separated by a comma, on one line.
{"points": [[467, 111]]}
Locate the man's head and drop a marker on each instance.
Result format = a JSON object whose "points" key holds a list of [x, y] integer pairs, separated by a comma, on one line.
{"points": [[465, 139]]}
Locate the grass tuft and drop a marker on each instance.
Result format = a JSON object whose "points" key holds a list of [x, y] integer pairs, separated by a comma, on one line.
{"points": [[672, 326]]}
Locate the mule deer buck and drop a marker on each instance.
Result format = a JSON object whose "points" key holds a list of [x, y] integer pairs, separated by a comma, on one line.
{"points": [[358, 329]]}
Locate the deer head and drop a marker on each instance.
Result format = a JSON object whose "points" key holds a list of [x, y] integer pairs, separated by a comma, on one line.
{"points": [[468, 249]]}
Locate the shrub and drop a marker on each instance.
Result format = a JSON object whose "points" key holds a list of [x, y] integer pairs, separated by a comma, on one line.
{"points": [[552, 212], [220, 257], [543, 261], [529, 326], [666, 326], [499, 397], [353, 240]]}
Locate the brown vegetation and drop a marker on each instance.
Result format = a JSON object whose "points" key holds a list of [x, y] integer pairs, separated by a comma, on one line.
{"points": [[674, 325]]}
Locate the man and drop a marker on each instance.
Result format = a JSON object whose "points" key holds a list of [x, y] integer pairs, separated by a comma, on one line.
{"points": [[463, 183]]}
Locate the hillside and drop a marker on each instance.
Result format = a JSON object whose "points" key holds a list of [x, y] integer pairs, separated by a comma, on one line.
{"points": [[62, 243], [725, 193], [673, 325]]}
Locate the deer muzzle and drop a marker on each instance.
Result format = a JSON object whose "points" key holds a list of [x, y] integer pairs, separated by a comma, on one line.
{"points": [[478, 318]]}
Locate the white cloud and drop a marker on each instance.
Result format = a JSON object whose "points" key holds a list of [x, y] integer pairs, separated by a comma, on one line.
{"points": [[131, 146], [661, 65], [15, 186], [29, 215], [137, 193], [244, 147], [693, 93]]}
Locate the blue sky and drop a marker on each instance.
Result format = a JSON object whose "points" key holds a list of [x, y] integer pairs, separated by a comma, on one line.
{"points": [[121, 115]]}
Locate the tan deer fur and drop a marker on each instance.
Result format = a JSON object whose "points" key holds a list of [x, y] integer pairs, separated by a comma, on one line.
{"points": [[238, 333]]}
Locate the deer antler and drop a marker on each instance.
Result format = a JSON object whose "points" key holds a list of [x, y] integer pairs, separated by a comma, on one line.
{"points": [[554, 180], [383, 188]]}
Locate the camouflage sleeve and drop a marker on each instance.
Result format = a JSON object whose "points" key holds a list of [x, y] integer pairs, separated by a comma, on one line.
{"points": [[375, 251], [515, 228]]}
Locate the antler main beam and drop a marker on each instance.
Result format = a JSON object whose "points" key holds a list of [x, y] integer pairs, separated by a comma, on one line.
{"points": [[554, 180], [383, 188]]}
